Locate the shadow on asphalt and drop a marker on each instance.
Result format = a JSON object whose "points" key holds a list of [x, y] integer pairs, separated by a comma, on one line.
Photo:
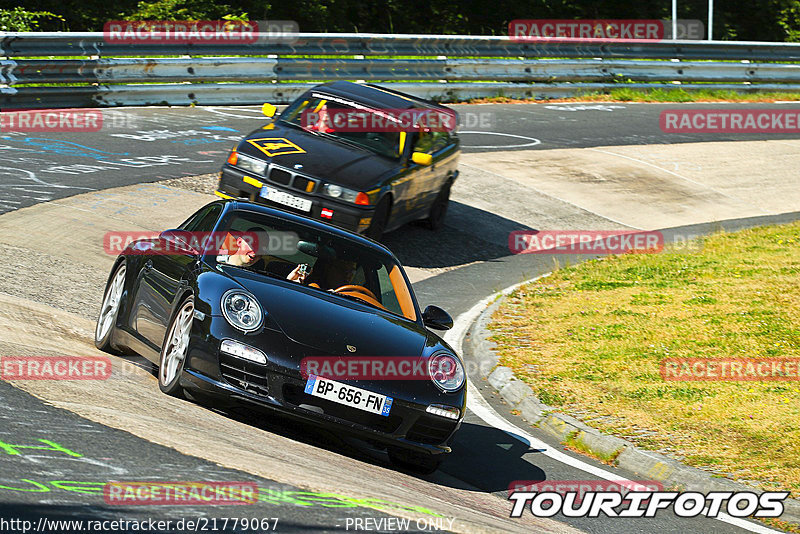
{"points": [[482, 457], [489, 459], [486, 238]]}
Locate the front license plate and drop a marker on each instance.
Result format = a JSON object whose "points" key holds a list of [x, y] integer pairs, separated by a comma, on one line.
{"points": [[348, 395], [275, 195]]}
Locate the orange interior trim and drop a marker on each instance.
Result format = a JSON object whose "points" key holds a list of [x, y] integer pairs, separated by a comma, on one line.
{"points": [[403, 294], [364, 297]]}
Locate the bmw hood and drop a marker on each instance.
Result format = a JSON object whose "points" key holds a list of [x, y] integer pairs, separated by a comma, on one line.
{"points": [[317, 156], [327, 324]]}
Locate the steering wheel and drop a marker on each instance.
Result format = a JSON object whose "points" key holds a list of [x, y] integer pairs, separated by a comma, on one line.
{"points": [[357, 289]]}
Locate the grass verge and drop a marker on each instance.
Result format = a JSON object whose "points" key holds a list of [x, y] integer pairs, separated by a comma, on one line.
{"points": [[624, 94], [590, 339]]}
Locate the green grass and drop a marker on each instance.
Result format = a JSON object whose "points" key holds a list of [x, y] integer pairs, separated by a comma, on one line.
{"points": [[626, 94], [596, 333]]}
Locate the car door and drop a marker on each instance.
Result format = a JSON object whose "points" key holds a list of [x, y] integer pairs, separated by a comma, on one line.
{"points": [[437, 143], [163, 276], [411, 186]]}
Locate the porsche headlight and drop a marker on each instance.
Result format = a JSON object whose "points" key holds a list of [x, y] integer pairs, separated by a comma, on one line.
{"points": [[256, 166], [446, 371], [242, 310]]}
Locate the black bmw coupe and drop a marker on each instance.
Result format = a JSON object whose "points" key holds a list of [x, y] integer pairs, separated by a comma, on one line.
{"points": [[358, 156], [315, 322]]}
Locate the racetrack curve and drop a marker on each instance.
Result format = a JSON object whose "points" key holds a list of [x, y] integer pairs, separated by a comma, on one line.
{"points": [[627, 175]]}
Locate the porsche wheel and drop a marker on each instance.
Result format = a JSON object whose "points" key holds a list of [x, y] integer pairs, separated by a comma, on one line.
{"points": [[110, 310], [439, 208], [175, 348]]}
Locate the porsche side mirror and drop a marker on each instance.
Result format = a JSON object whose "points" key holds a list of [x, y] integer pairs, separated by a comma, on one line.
{"points": [[268, 109], [178, 241], [436, 318], [421, 159]]}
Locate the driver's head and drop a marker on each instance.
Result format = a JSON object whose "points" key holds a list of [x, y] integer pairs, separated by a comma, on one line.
{"points": [[339, 273]]}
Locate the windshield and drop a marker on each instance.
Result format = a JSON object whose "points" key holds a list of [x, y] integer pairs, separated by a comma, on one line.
{"points": [[316, 259], [336, 118]]}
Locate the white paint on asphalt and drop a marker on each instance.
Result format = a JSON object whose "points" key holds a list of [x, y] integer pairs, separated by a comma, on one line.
{"points": [[533, 140], [480, 407], [252, 113]]}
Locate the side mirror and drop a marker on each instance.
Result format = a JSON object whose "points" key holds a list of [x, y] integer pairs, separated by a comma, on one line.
{"points": [[421, 158], [268, 109], [179, 242], [436, 318]]}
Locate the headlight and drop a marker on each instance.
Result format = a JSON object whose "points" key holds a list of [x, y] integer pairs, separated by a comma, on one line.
{"points": [[348, 195], [242, 310], [446, 371], [253, 165]]}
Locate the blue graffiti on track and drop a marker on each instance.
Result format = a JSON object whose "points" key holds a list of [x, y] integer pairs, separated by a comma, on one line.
{"points": [[64, 148]]}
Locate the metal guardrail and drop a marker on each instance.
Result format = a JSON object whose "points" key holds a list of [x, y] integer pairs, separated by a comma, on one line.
{"points": [[456, 67]]}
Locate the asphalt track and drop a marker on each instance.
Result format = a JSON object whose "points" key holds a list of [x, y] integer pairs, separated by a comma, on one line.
{"points": [[145, 145], [151, 144]]}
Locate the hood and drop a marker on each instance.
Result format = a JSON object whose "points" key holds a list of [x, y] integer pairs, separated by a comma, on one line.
{"points": [[327, 324], [321, 157]]}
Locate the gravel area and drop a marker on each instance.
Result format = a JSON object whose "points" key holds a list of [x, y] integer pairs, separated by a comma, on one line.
{"points": [[202, 183]]}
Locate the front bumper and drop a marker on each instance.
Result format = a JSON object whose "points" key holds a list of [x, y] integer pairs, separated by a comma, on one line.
{"points": [[278, 386], [234, 183]]}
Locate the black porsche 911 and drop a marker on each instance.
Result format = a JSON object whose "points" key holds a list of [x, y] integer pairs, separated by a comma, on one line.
{"points": [[243, 322], [348, 154]]}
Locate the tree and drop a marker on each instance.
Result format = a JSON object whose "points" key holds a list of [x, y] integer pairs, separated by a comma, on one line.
{"points": [[21, 20]]}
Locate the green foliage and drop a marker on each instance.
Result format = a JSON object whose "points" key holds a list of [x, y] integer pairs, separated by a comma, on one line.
{"points": [[770, 20], [184, 10], [20, 20]]}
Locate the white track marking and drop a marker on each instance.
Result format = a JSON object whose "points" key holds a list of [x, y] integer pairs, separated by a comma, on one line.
{"points": [[478, 405], [228, 114], [533, 140]]}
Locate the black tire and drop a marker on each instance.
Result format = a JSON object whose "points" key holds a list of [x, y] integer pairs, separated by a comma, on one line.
{"points": [[415, 462], [103, 333], [170, 367], [379, 220], [439, 209]]}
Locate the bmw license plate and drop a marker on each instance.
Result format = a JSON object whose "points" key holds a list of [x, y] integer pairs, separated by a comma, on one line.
{"points": [[281, 197], [348, 395]]}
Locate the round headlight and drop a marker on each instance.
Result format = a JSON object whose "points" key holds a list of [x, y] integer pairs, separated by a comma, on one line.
{"points": [[446, 371], [334, 190], [242, 310]]}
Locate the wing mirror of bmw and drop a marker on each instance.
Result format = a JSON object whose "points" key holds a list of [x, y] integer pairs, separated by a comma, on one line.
{"points": [[420, 158], [436, 318], [179, 240], [268, 109]]}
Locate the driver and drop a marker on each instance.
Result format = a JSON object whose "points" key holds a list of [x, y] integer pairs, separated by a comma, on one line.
{"points": [[329, 275]]}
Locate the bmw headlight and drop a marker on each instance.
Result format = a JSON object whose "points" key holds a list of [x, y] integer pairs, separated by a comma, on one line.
{"points": [[348, 195], [242, 310], [253, 165], [446, 371]]}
